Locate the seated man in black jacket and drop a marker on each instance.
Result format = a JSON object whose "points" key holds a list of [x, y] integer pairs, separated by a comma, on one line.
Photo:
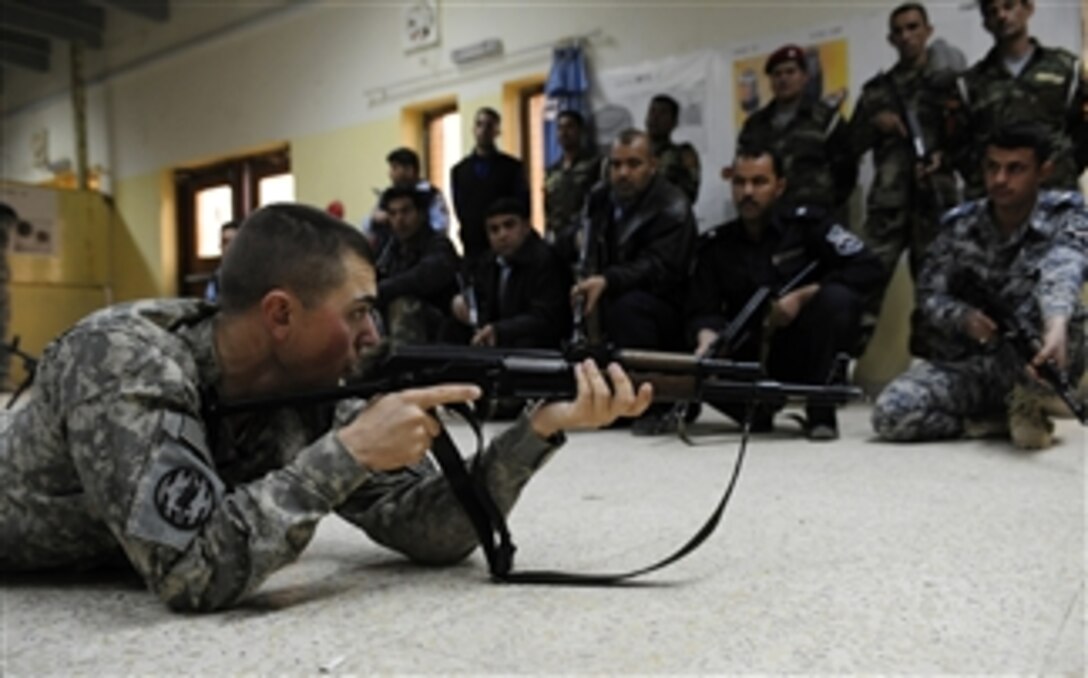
{"points": [[799, 333], [641, 231], [520, 288], [417, 271]]}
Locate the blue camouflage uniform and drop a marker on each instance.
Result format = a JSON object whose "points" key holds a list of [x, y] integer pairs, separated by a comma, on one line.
{"points": [[1037, 272]]}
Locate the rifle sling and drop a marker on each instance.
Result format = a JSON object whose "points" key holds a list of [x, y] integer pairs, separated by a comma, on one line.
{"points": [[489, 523]]}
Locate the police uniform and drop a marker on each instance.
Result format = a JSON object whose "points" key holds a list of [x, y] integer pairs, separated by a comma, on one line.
{"points": [[679, 164], [1049, 91], [730, 267], [1038, 273], [112, 459], [566, 188]]}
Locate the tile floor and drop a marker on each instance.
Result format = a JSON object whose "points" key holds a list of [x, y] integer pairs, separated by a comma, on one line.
{"points": [[848, 557]]}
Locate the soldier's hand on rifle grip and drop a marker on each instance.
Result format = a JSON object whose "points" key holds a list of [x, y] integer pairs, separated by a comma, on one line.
{"points": [[703, 341], [592, 288], [889, 122], [979, 326], [925, 169], [485, 336], [1054, 345], [460, 309], [785, 309], [395, 430], [597, 403]]}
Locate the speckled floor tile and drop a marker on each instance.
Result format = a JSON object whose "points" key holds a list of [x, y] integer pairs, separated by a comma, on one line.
{"points": [[847, 557]]}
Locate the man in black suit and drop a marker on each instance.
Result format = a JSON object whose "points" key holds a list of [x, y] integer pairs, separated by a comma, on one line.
{"points": [[521, 287], [481, 178]]}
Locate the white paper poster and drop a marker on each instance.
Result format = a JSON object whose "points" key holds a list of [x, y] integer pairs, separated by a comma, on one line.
{"points": [[34, 228]]}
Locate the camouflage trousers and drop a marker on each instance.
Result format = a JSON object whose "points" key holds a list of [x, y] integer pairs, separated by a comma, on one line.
{"points": [[889, 231], [932, 400]]}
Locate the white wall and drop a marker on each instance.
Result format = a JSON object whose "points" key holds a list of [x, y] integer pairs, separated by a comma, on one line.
{"points": [[315, 67]]}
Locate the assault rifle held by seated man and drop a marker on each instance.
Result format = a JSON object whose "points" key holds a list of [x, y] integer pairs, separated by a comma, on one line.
{"points": [[1020, 337]]}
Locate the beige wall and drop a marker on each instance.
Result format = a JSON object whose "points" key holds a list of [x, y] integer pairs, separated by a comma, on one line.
{"points": [[346, 165]]}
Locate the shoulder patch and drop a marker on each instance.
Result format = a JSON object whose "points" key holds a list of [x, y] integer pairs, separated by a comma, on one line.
{"points": [[1061, 199], [178, 491], [846, 244], [960, 211]]}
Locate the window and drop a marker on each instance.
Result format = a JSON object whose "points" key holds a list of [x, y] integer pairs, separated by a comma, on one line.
{"points": [[441, 151], [532, 148], [211, 195]]}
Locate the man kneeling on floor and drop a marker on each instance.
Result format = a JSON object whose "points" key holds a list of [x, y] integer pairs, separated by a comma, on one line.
{"points": [[1024, 248], [114, 457], [803, 330]]}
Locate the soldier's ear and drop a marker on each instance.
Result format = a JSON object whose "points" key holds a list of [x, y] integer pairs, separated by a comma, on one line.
{"points": [[780, 187], [277, 313], [1045, 170]]}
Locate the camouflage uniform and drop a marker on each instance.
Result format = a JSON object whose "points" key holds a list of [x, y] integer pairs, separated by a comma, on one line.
{"points": [[902, 213], [679, 163], [112, 458], [814, 146], [1049, 91], [1038, 273], [565, 191]]}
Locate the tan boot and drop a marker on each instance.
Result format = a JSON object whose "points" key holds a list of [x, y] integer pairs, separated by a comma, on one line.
{"points": [[1029, 425]]}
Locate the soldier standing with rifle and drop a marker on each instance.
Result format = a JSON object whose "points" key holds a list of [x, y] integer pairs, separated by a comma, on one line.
{"points": [[814, 311], [1026, 249], [900, 118]]}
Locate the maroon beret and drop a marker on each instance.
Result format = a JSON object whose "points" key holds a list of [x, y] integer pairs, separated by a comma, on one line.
{"points": [[784, 54]]}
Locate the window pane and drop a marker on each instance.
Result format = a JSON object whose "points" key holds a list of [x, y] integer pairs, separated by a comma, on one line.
{"points": [[443, 152], [213, 209], [535, 158], [276, 188]]}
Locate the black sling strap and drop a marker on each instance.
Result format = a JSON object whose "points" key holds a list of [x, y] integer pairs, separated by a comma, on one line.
{"points": [[494, 536]]}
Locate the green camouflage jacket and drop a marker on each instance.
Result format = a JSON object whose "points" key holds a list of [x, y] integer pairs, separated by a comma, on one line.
{"points": [[924, 92], [1050, 90], [815, 150], [566, 188]]}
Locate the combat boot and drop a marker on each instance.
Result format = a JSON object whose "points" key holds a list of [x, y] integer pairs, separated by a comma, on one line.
{"points": [[1029, 425]]}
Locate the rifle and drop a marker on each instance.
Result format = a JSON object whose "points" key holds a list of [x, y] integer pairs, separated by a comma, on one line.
{"points": [[543, 374], [531, 374], [917, 139], [736, 333], [585, 332], [1019, 336], [468, 293]]}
